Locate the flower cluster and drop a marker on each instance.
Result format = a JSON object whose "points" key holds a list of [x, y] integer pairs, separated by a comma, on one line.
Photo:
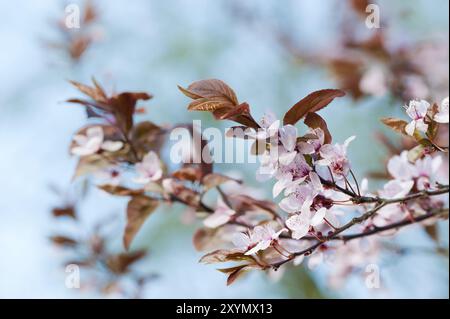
{"points": [[319, 204]]}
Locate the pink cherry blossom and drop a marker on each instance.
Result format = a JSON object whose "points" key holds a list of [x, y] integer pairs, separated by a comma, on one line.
{"points": [[335, 157], [374, 82], [149, 170], [221, 215], [400, 168], [396, 189], [314, 143], [297, 195], [269, 128], [260, 238], [93, 142], [417, 111], [442, 114], [425, 171]]}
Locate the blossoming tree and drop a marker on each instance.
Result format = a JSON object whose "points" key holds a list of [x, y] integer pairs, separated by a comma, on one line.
{"points": [[320, 212]]}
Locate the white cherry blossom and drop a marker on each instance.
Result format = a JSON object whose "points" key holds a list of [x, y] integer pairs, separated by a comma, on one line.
{"points": [[260, 238], [335, 157], [93, 142], [417, 111], [222, 215], [149, 170], [442, 114]]}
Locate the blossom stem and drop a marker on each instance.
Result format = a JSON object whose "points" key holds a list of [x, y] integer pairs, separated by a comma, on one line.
{"points": [[371, 232], [356, 182]]}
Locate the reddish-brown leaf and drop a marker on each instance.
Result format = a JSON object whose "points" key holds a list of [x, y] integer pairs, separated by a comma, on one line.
{"points": [[311, 103], [147, 136], [138, 210], [211, 88], [223, 255], [203, 238], [395, 124], [68, 211], [124, 106], [120, 190], [96, 93], [240, 114], [314, 120], [63, 241], [217, 97], [192, 174], [119, 264], [235, 272]]}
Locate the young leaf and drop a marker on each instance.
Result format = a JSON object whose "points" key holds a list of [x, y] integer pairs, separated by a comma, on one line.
{"points": [[314, 120], [120, 263], [223, 255], [138, 209], [311, 103], [395, 124], [120, 190], [96, 93], [210, 88], [63, 241], [237, 271], [217, 97], [68, 211]]}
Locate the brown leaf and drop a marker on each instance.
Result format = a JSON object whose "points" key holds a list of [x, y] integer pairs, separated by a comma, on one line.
{"points": [[395, 124], [203, 237], [120, 190], [147, 136], [223, 255], [433, 232], [314, 120], [211, 88], [217, 97], [359, 6], [213, 180], [90, 164], [348, 73], [138, 210], [240, 114], [68, 211], [235, 272], [311, 103], [63, 241], [124, 106], [96, 93], [210, 104], [119, 264], [192, 174]]}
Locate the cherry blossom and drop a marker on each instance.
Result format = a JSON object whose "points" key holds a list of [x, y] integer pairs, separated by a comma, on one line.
{"points": [[260, 238], [442, 113], [297, 195], [93, 142], [291, 174], [396, 189], [421, 172], [149, 170], [110, 175], [335, 157], [314, 143], [373, 81], [269, 128], [221, 215], [417, 111]]}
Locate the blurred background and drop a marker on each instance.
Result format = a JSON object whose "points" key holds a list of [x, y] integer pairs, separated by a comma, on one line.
{"points": [[272, 53]]}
